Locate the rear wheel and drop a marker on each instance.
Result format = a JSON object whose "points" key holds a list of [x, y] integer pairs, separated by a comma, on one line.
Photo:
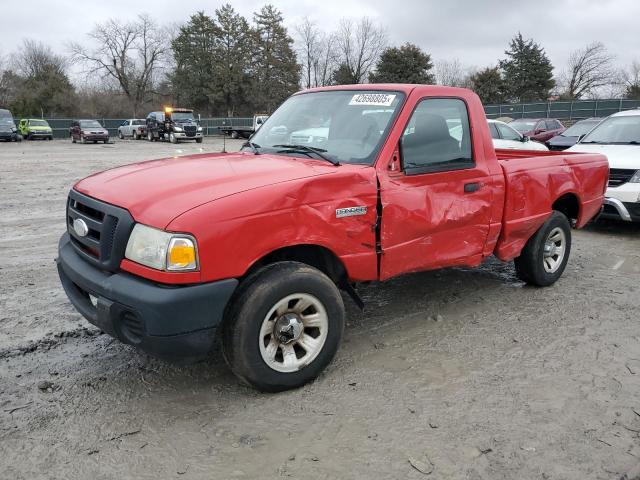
{"points": [[545, 256], [135, 135], [283, 327], [234, 134], [120, 135]]}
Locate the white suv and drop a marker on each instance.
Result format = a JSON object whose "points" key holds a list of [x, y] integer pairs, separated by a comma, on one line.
{"points": [[618, 137]]}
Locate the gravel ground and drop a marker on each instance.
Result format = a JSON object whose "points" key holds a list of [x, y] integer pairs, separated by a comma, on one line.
{"points": [[460, 373]]}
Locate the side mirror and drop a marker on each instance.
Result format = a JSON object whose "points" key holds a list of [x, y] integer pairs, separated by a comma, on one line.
{"points": [[525, 139]]}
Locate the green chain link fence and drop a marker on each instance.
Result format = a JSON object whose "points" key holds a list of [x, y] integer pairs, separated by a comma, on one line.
{"points": [[570, 110]]}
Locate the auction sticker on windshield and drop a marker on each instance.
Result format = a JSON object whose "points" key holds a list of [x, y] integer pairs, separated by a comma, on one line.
{"points": [[373, 99]]}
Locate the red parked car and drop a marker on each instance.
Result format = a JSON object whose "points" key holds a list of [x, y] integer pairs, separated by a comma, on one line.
{"points": [[85, 131], [538, 129], [253, 247]]}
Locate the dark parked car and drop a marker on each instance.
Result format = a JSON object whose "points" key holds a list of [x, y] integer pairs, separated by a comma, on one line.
{"points": [[571, 135], [538, 129], [8, 130], [88, 131]]}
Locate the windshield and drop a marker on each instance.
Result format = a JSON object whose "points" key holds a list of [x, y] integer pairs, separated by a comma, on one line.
{"points": [[523, 126], [6, 122], [138, 122], [90, 124], [580, 128], [182, 116], [623, 130], [348, 126], [38, 123]]}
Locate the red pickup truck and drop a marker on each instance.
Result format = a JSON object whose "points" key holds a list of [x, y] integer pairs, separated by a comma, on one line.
{"points": [[340, 185]]}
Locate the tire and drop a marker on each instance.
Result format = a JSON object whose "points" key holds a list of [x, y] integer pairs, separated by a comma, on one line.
{"points": [[83, 140], [106, 141], [198, 140], [540, 263], [73, 140], [150, 136], [172, 138], [135, 135], [120, 135], [29, 136], [49, 138], [252, 314], [234, 135]]}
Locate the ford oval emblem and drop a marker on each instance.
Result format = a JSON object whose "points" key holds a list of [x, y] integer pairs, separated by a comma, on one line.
{"points": [[80, 227]]}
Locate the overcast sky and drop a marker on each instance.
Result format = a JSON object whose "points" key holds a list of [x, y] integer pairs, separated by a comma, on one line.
{"points": [[474, 31]]}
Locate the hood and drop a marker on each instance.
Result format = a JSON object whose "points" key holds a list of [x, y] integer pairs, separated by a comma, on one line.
{"points": [[157, 191], [38, 128], [620, 156], [561, 140]]}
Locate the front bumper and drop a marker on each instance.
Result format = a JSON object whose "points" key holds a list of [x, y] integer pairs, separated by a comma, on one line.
{"points": [[184, 136], [8, 135], [35, 133], [170, 322], [618, 210]]}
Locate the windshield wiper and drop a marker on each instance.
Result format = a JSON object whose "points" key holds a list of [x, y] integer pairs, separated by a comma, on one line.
{"points": [[306, 149], [255, 148]]}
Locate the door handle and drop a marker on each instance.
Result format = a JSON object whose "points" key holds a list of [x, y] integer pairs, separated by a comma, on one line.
{"points": [[472, 187]]}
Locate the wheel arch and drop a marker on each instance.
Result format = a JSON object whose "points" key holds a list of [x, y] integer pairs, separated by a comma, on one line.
{"points": [[569, 205], [314, 255]]}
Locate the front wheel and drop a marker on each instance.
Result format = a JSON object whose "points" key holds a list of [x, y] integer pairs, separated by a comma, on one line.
{"points": [[135, 135], [150, 136], [545, 256], [120, 135], [172, 138], [283, 327], [198, 140]]}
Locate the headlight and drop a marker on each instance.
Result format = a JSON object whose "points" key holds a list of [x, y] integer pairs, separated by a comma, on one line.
{"points": [[177, 129], [162, 250], [635, 178], [199, 129]]}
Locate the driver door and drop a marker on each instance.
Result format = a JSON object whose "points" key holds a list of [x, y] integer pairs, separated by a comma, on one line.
{"points": [[437, 209]]}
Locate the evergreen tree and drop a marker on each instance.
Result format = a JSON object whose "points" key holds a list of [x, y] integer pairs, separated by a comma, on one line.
{"points": [[527, 71], [193, 49], [276, 71], [489, 85], [232, 59], [343, 76], [406, 64]]}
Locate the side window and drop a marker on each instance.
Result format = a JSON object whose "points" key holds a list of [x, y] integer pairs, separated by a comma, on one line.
{"points": [[494, 131], [437, 137], [508, 133], [542, 125]]}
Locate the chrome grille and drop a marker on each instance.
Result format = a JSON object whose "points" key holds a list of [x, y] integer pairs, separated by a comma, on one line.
{"points": [[619, 176], [108, 230]]}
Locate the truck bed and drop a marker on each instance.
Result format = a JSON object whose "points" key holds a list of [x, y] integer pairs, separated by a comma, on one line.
{"points": [[537, 182]]}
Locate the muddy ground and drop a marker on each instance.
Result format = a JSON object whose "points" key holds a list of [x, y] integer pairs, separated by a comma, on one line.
{"points": [[453, 374]]}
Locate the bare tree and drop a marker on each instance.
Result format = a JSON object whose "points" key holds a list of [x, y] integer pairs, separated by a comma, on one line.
{"points": [[309, 50], [34, 59], [451, 73], [589, 69], [630, 80], [129, 53], [359, 46]]}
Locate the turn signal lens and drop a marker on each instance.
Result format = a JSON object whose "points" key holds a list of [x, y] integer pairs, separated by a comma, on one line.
{"points": [[181, 254]]}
